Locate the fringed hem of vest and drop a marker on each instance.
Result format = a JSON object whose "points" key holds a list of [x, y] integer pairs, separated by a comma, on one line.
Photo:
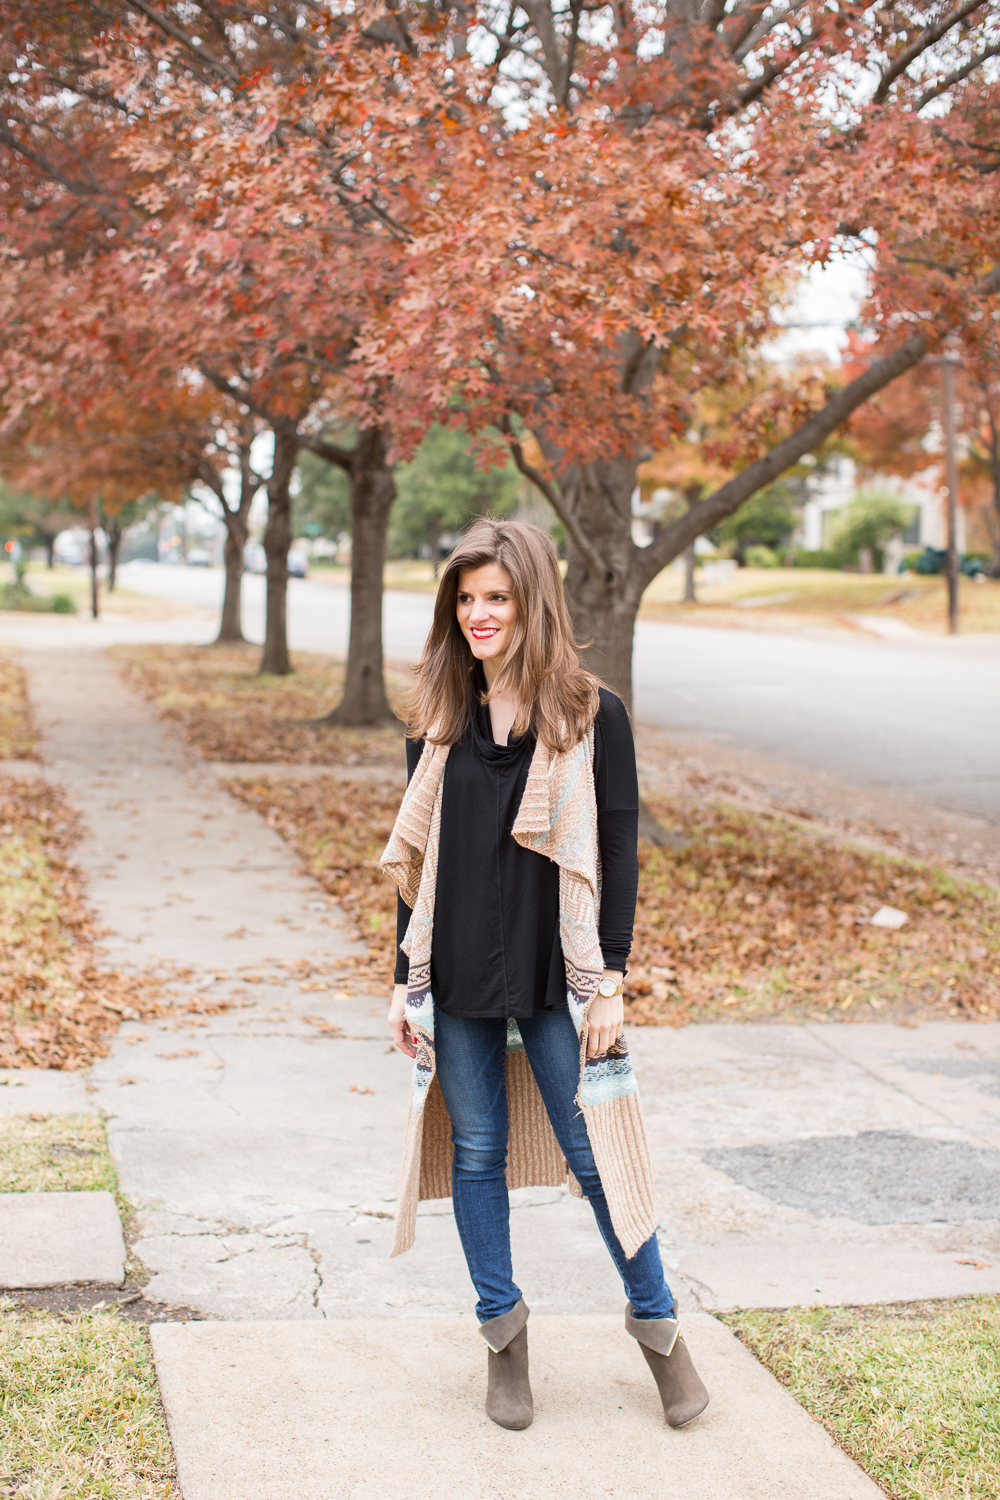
{"points": [[557, 818]]}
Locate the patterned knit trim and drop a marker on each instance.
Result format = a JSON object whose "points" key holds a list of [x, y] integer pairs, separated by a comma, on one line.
{"points": [[557, 818]]}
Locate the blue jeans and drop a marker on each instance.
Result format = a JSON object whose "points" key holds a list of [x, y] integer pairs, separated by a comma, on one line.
{"points": [[470, 1068]]}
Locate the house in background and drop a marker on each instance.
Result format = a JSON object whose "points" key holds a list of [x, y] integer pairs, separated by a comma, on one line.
{"points": [[831, 490]]}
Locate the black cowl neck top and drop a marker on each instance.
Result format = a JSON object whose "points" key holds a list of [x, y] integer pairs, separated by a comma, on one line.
{"points": [[495, 950]]}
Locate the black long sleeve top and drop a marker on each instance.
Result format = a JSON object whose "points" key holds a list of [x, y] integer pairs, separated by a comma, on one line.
{"points": [[495, 949]]}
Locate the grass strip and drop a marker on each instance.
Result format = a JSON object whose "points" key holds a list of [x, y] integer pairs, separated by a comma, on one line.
{"points": [[57, 1003], [909, 1391], [54, 1153], [80, 1412], [226, 710], [760, 916], [757, 918], [17, 730]]}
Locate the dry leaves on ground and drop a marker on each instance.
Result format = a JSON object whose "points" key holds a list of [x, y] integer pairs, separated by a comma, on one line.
{"points": [[57, 1002], [760, 916], [756, 918], [17, 733], [227, 711]]}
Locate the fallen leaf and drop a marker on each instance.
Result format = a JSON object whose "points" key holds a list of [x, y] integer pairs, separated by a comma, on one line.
{"points": [[356, 1090], [123, 1081], [977, 1265], [321, 1024], [187, 1052]]}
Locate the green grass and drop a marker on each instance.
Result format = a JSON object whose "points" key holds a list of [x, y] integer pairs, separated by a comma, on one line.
{"points": [[910, 1391], [54, 1154], [80, 1413]]}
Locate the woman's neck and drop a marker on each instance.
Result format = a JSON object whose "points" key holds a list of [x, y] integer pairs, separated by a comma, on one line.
{"points": [[503, 706]]}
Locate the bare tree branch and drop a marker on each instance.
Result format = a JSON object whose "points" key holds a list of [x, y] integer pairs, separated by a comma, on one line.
{"points": [[222, 70], [949, 81], [706, 513], [925, 39], [764, 26], [331, 452], [555, 499]]}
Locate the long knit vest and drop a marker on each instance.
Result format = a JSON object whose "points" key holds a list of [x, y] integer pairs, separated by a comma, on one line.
{"points": [[557, 818]]}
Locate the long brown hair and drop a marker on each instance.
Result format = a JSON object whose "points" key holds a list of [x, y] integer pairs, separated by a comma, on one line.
{"points": [[556, 697]]}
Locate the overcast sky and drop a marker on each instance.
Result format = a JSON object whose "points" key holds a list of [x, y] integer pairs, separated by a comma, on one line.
{"points": [[828, 300]]}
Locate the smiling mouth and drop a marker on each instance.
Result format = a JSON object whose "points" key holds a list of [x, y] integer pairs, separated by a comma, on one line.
{"points": [[483, 633]]}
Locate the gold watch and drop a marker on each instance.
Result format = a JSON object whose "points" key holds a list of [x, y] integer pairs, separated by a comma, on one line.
{"points": [[609, 988]]}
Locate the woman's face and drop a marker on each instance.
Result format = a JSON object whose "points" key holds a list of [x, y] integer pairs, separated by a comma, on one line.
{"points": [[486, 612]]}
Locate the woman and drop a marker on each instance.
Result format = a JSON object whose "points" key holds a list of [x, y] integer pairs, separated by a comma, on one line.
{"points": [[522, 788]]}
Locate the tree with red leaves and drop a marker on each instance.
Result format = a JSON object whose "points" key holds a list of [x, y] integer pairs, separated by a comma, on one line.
{"points": [[376, 234], [590, 274]]}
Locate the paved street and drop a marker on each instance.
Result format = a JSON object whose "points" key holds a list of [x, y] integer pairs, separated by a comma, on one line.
{"points": [[916, 716]]}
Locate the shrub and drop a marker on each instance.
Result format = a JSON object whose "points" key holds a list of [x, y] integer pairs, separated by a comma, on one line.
{"points": [[797, 557], [761, 557], [867, 523]]}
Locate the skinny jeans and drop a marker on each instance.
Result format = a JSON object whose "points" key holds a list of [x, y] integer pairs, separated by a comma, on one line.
{"points": [[470, 1058]]}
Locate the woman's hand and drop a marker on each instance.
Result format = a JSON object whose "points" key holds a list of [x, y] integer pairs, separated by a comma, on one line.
{"points": [[398, 1024], [605, 1020]]}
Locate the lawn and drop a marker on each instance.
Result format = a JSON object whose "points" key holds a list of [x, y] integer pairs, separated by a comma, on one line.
{"points": [[909, 1391], [58, 1002], [757, 918], [798, 598], [76, 583], [80, 1413], [17, 733], [227, 711], [53, 1153]]}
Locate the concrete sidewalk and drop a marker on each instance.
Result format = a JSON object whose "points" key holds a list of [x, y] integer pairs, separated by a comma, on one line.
{"points": [[287, 1411], [795, 1164]]}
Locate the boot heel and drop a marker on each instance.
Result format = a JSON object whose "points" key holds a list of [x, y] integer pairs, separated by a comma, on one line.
{"points": [[681, 1388], [509, 1401]]}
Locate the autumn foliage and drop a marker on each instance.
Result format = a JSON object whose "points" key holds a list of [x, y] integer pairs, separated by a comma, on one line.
{"points": [[573, 222]]}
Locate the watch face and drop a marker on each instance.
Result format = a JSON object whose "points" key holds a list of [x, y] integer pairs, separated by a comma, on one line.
{"points": [[607, 987]]}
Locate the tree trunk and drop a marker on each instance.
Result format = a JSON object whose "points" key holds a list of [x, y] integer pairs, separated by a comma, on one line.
{"points": [[113, 532], [276, 541], [231, 624], [93, 572], [604, 586], [435, 542], [50, 552], [689, 559], [373, 490]]}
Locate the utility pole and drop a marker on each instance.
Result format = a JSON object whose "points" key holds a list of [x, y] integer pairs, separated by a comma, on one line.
{"points": [[94, 523], [948, 365], [949, 428]]}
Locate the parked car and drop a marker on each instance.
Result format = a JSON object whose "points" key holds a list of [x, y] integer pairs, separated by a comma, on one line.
{"points": [[199, 557], [255, 561]]}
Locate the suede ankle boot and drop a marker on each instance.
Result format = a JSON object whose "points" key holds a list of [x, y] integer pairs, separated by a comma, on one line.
{"points": [[683, 1395], [508, 1395]]}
